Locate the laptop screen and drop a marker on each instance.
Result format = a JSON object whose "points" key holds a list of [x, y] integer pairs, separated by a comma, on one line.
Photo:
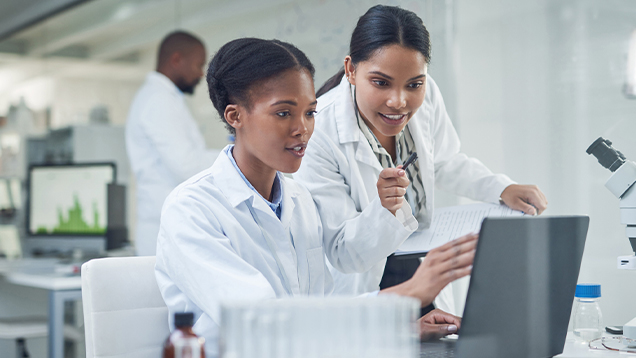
{"points": [[522, 286]]}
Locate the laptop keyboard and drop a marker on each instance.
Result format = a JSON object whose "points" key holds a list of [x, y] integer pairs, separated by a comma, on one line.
{"points": [[438, 349], [445, 354]]}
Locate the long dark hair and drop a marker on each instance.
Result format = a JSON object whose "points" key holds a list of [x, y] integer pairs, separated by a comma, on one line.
{"points": [[241, 63], [381, 26]]}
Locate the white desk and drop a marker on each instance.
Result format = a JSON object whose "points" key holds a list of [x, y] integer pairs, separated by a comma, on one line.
{"points": [[576, 349], [61, 288]]}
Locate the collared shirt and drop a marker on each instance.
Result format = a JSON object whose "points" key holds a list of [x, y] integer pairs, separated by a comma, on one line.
{"points": [[277, 189], [405, 146]]}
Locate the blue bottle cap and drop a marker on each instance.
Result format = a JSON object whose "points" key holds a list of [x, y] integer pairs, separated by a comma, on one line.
{"points": [[588, 290]]}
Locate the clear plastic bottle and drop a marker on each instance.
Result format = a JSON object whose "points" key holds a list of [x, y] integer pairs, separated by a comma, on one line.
{"points": [[182, 342], [588, 319]]}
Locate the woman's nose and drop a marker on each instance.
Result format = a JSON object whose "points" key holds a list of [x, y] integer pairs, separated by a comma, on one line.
{"points": [[301, 128], [397, 100]]}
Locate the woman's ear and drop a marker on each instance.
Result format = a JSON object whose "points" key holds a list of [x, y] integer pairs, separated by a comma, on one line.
{"points": [[350, 70], [232, 116]]}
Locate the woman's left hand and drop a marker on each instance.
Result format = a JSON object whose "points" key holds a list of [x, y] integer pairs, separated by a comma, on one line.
{"points": [[526, 198], [437, 324]]}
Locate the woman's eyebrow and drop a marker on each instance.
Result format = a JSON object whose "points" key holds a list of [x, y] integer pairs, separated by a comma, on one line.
{"points": [[381, 74], [291, 102], [391, 78], [287, 101]]}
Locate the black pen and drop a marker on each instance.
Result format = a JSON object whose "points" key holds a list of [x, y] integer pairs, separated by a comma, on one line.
{"points": [[412, 158]]}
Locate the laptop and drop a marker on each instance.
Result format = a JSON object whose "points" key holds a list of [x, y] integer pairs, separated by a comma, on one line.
{"points": [[521, 289]]}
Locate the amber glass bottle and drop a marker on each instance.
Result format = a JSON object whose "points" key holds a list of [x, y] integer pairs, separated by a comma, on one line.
{"points": [[182, 342]]}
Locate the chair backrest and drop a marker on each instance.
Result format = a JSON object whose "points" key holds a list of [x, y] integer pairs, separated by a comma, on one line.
{"points": [[124, 313]]}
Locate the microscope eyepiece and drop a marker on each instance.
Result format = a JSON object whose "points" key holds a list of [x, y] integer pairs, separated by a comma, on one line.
{"points": [[609, 157]]}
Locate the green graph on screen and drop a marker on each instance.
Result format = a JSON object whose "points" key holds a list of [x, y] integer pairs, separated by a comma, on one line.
{"points": [[74, 223]]}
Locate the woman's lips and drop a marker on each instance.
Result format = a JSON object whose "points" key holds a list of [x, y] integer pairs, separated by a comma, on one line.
{"points": [[298, 151], [393, 119]]}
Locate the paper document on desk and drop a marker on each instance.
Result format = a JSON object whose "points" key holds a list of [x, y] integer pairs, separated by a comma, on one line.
{"points": [[450, 223]]}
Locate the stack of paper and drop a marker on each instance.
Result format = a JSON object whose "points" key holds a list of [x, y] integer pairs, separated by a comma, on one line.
{"points": [[450, 223]]}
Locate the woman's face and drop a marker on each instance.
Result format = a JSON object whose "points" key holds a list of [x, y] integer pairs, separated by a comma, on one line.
{"points": [[273, 133], [390, 87]]}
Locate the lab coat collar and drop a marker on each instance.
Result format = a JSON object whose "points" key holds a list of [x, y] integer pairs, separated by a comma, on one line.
{"points": [[287, 205], [229, 181], [346, 122], [347, 125], [156, 78], [233, 187]]}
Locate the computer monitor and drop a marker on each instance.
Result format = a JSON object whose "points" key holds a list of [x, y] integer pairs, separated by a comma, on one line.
{"points": [[69, 201]]}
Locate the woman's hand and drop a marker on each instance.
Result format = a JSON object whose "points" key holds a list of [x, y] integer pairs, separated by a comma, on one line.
{"points": [[526, 198], [392, 185], [437, 324], [441, 266]]}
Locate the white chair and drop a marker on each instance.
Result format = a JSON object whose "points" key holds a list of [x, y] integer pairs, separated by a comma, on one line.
{"points": [[124, 313]]}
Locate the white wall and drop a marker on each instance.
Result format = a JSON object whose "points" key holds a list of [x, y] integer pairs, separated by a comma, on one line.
{"points": [[538, 82]]}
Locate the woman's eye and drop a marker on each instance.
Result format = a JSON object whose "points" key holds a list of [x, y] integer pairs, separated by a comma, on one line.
{"points": [[416, 85], [311, 113], [282, 114], [380, 82]]}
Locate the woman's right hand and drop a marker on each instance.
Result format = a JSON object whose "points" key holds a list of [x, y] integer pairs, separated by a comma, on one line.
{"points": [[441, 266], [392, 185]]}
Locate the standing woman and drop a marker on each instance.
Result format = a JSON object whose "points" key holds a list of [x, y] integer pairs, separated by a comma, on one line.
{"points": [[382, 107]]}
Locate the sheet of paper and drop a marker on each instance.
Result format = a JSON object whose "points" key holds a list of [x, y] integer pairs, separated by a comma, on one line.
{"points": [[450, 223]]}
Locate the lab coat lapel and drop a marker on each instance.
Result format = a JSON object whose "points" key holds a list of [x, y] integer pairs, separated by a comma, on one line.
{"points": [[229, 181], [365, 155], [280, 234], [420, 127], [348, 130], [287, 204], [236, 191]]}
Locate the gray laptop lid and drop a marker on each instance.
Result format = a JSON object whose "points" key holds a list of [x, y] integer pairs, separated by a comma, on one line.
{"points": [[522, 287]]}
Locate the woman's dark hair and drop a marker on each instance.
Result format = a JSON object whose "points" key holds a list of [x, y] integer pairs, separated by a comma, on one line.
{"points": [[241, 63], [381, 26]]}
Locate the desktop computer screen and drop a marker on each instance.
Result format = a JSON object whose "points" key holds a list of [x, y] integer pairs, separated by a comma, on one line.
{"points": [[69, 200]]}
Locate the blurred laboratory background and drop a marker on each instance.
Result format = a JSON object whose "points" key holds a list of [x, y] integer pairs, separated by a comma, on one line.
{"points": [[529, 85]]}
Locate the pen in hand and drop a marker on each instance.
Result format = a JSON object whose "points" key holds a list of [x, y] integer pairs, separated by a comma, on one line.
{"points": [[409, 161]]}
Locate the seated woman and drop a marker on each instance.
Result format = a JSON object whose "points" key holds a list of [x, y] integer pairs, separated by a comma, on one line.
{"points": [[241, 229]]}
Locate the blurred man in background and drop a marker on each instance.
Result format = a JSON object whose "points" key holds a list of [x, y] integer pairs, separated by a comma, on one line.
{"points": [[163, 141]]}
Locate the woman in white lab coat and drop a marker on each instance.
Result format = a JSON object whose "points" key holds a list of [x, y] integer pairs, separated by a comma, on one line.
{"points": [[382, 107], [241, 229]]}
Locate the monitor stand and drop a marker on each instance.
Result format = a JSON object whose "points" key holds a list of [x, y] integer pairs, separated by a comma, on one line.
{"points": [[64, 246]]}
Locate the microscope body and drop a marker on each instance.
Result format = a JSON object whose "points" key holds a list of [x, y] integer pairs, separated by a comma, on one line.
{"points": [[621, 184]]}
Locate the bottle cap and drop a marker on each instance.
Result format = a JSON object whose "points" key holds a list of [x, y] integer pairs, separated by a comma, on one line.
{"points": [[185, 319], [588, 290]]}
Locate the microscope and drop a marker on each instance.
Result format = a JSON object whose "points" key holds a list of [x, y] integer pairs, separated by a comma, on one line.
{"points": [[621, 184]]}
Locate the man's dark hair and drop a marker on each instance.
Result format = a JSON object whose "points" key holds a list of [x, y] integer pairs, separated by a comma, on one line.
{"points": [[178, 41]]}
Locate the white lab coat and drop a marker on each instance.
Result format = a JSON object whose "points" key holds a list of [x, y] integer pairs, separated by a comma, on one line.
{"points": [[341, 172], [165, 147], [210, 249]]}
